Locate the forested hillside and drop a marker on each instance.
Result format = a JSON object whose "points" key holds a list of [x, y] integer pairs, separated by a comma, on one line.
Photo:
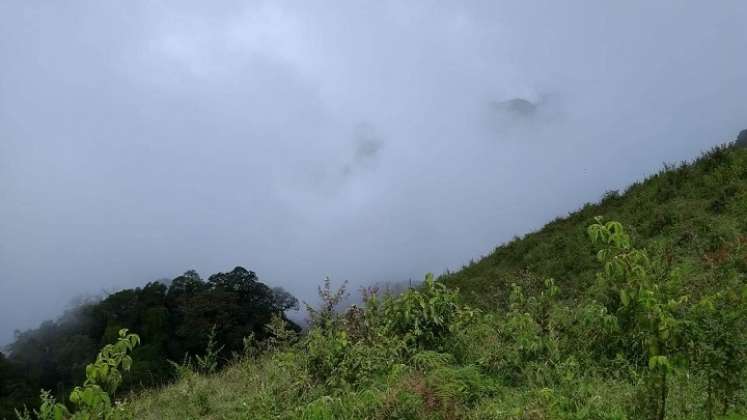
{"points": [[631, 308], [173, 320]]}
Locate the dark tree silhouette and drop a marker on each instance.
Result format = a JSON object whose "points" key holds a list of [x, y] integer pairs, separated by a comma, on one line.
{"points": [[172, 321]]}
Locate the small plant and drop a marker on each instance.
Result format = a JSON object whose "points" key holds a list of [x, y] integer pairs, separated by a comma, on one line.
{"points": [[280, 334], [93, 399], [326, 315], [208, 363], [250, 346], [48, 410], [326, 342], [183, 370]]}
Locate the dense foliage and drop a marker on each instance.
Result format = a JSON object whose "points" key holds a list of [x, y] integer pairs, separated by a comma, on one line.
{"points": [[173, 320], [634, 348]]}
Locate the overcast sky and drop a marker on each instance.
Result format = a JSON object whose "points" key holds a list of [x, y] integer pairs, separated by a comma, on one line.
{"points": [[367, 141]]}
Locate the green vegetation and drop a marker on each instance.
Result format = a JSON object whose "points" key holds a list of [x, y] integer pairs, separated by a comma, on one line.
{"points": [[635, 348], [93, 399], [174, 320], [633, 308], [693, 213]]}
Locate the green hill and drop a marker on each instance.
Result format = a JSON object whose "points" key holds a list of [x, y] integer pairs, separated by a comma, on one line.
{"points": [[695, 211], [634, 307]]}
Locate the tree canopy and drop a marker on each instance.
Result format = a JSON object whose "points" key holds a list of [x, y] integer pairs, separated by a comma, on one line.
{"points": [[174, 320]]}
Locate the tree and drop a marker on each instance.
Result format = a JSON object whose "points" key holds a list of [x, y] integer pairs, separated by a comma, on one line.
{"points": [[173, 320], [650, 317]]}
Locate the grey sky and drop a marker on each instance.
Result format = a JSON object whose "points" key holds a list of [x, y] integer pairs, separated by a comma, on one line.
{"points": [[359, 140]]}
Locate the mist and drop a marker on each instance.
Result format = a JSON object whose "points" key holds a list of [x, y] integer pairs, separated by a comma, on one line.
{"points": [[365, 141]]}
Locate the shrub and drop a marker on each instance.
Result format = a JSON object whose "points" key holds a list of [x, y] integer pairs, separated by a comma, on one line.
{"points": [[719, 337], [427, 317], [93, 399]]}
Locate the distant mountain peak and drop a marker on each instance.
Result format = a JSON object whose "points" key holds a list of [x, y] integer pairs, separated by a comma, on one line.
{"points": [[517, 106]]}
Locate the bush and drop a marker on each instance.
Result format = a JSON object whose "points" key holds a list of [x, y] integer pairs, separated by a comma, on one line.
{"points": [[426, 318], [103, 377], [719, 337]]}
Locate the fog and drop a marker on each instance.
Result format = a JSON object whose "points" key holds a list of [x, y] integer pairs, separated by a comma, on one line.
{"points": [[366, 141]]}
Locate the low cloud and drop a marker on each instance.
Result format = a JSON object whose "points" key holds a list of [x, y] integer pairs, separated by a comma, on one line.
{"points": [[369, 142]]}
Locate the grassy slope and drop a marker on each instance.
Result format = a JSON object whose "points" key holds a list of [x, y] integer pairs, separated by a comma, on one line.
{"points": [[696, 211], [265, 389]]}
